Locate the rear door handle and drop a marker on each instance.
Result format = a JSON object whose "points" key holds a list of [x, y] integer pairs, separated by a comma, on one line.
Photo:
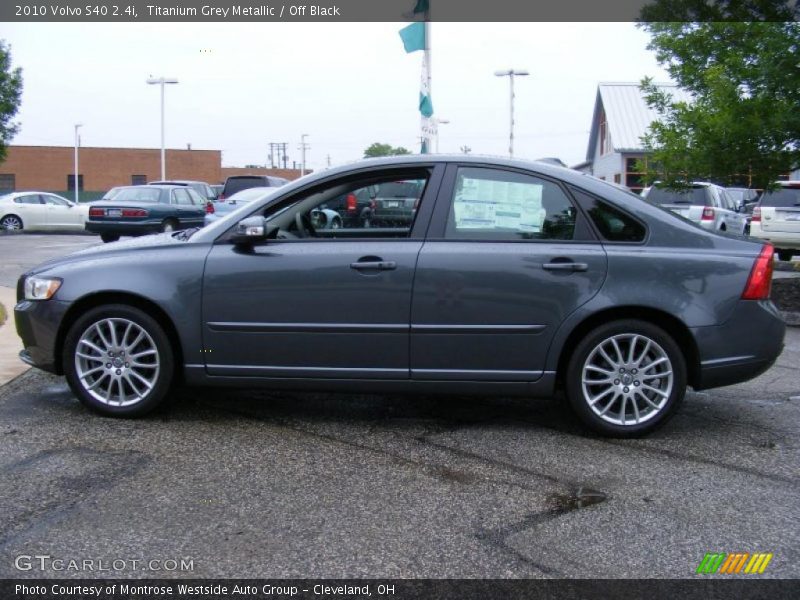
{"points": [[565, 266], [374, 265]]}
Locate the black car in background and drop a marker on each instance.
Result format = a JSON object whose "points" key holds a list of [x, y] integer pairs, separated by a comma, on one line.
{"points": [[396, 202], [237, 183], [142, 209]]}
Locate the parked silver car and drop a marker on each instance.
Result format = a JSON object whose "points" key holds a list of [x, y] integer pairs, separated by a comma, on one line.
{"points": [[776, 219], [704, 203]]}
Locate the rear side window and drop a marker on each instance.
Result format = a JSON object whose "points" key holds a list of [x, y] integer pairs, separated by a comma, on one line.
{"points": [[696, 196], [782, 198], [138, 194], [490, 204]]}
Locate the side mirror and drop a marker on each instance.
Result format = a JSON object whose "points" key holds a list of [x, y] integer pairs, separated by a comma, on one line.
{"points": [[251, 230]]}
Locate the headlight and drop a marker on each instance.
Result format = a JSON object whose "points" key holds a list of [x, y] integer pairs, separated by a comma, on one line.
{"points": [[41, 288]]}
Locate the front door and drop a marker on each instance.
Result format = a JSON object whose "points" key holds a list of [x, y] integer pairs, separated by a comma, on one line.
{"points": [[317, 301]]}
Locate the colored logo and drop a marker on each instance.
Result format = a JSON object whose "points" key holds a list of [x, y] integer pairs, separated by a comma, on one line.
{"points": [[734, 563]]}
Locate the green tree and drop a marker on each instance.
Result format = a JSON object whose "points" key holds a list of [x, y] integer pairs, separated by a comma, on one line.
{"points": [[744, 78], [10, 95], [378, 149]]}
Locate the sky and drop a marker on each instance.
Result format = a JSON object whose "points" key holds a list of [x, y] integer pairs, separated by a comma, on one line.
{"points": [[346, 85]]}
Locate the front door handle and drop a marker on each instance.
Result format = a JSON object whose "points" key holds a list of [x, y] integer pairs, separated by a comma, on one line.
{"points": [[374, 265], [565, 266]]}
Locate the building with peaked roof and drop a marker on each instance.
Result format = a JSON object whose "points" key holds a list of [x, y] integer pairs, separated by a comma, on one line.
{"points": [[621, 117]]}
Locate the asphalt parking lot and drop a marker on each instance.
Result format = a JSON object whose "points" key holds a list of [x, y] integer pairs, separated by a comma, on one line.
{"points": [[261, 484]]}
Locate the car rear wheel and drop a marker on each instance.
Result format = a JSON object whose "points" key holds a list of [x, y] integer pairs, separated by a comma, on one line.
{"points": [[626, 378], [118, 361], [109, 237], [11, 223], [785, 255], [169, 225]]}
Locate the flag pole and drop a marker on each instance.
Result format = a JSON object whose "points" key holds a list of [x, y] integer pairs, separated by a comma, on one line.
{"points": [[427, 52]]}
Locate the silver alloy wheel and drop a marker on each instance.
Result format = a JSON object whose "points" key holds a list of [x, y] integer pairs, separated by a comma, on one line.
{"points": [[117, 362], [627, 379], [11, 223], [167, 226]]}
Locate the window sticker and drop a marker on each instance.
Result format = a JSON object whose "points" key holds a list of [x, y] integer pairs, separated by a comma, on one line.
{"points": [[507, 205]]}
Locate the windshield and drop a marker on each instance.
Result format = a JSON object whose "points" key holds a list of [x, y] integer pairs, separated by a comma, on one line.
{"points": [[695, 196], [782, 198], [138, 194]]}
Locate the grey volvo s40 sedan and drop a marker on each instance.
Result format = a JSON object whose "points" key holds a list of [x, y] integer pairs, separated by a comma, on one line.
{"points": [[511, 278]]}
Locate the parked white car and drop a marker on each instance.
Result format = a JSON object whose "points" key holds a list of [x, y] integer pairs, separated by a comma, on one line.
{"points": [[776, 219], [41, 211], [707, 204]]}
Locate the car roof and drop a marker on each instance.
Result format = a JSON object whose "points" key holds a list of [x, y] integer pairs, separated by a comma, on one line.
{"points": [[175, 182]]}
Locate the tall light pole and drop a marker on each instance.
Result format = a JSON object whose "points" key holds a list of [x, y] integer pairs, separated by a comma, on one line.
{"points": [[162, 81], [511, 73], [77, 141], [439, 122], [303, 147]]}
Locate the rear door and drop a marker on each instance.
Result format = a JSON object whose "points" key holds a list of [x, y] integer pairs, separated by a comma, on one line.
{"points": [[507, 258]]}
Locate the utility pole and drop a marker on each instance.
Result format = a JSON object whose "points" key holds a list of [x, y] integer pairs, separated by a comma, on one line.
{"points": [[465, 149], [272, 155], [283, 150], [303, 147], [329, 160]]}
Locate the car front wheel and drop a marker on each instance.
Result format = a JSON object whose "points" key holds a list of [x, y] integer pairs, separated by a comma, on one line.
{"points": [[626, 378], [118, 361]]}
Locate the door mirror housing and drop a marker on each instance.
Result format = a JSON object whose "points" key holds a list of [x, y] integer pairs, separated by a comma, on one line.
{"points": [[252, 230]]}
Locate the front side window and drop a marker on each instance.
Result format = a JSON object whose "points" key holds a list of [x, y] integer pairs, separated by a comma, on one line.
{"points": [[490, 204], [376, 206], [29, 199]]}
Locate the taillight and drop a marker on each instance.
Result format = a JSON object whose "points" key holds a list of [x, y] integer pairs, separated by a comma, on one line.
{"points": [[760, 280], [134, 212], [351, 203], [756, 218], [97, 212], [708, 214], [210, 208]]}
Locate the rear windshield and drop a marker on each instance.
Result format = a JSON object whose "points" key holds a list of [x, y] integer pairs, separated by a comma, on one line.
{"points": [[782, 198], [693, 196], [399, 189], [138, 194], [236, 184]]}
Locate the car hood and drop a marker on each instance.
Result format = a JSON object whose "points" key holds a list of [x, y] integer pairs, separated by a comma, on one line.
{"points": [[101, 250]]}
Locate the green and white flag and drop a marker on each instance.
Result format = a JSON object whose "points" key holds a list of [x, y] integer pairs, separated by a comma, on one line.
{"points": [[413, 37], [425, 102]]}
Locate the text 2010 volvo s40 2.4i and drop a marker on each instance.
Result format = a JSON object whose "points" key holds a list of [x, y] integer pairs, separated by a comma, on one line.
{"points": [[513, 278]]}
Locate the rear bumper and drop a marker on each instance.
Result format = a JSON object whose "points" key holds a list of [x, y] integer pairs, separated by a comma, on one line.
{"points": [[779, 239], [134, 228], [742, 348]]}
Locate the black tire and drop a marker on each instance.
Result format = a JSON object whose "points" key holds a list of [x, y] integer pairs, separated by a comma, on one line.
{"points": [[169, 225], [109, 237], [158, 368], [785, 255], [627, 387], [11, 223]]}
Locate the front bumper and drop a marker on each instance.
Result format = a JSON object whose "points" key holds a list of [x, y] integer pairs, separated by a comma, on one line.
{"points": [[38, 324], [742, 348]]}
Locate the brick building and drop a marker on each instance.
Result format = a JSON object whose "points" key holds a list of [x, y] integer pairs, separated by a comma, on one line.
{"points": [[51, 168]]}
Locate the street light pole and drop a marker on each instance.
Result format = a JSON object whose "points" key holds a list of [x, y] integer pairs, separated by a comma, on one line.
{"points": [[511, 73], [439, 122], [162, 81], [75, 182]]}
